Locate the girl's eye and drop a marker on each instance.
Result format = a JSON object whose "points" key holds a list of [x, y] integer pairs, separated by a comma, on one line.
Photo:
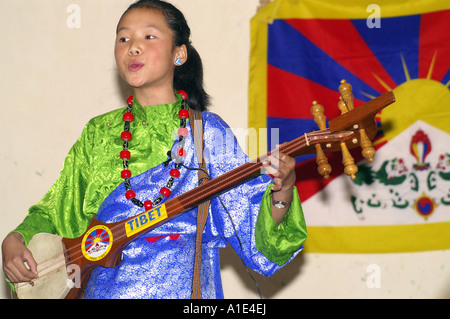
{"points": [[149, 37], [123, 40]]}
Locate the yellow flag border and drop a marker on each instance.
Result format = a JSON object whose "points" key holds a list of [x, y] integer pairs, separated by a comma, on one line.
{"points": [[378, 239]]}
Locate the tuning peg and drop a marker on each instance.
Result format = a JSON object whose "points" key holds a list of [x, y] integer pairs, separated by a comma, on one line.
{"points": [[319, 117], [349, 163], [366, 145], [323, 168], [342, 107], [347, 95]]}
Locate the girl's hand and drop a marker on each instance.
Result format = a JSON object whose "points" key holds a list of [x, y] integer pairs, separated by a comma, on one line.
{"points": [[282, 167], [16, 257]]}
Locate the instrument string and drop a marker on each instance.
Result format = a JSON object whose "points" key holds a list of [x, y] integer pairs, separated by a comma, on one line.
{"points": [[74, 252]]}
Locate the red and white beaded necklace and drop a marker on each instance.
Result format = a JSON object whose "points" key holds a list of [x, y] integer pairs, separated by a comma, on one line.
{"points": [[125, 154]]}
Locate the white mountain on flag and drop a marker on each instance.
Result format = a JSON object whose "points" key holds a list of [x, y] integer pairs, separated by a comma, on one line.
{"points": [[408, 183]]}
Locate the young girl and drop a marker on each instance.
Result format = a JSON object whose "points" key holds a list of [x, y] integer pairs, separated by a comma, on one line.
{"points": [[117, 170]]}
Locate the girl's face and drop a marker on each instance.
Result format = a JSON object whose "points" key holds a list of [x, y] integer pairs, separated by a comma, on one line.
{"points": [[144, 50]]}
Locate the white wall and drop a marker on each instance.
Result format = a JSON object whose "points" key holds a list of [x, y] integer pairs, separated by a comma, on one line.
{"points": [[55, 78]]}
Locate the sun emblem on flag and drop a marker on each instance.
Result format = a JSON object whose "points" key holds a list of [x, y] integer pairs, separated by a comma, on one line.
{"points": [[308, 53], [309, 57]]}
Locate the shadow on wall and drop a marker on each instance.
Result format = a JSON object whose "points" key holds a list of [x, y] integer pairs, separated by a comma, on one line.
{"points": [[269, 286]]}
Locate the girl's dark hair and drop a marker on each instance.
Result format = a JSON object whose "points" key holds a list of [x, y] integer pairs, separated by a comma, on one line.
{"points": [[189, 76]]}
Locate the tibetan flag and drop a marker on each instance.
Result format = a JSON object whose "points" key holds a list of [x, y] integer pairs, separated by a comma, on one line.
{"points": [[300, 51]]}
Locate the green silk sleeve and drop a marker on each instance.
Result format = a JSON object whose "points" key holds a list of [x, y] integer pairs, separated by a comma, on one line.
{"points": [[60, 210], [279, 243]]}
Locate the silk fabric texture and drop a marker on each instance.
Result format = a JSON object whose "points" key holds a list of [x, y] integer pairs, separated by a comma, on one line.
{"points": [[160, 264]]}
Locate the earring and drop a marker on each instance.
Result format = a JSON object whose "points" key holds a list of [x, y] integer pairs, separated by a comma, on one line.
{"points": [[178, 62]]}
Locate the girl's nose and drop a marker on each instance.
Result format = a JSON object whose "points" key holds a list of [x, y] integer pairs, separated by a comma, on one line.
{"points": [[134, 49]]}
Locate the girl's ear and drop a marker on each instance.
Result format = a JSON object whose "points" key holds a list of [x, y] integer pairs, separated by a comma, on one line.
{"points": [[181, 55]]}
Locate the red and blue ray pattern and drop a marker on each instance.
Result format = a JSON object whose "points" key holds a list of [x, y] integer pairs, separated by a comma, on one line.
{"points": [[101, 235], [307, 58]]}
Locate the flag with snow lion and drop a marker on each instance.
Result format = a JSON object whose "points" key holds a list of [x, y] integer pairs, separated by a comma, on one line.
{"points": [[300, 52]]}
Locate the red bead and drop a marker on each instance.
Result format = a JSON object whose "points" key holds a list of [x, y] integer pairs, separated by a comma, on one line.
{"points": [[165, 191], [174, 172], [181, 152], [126, 173], [130, 194], [148, 204], [125, 154], [127, 116], [182, 131], [183, 94], [125, 136], [130, 100], [183, 113]]}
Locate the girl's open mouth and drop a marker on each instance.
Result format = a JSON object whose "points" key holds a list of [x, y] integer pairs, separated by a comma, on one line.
{"points": [[135, 66]]}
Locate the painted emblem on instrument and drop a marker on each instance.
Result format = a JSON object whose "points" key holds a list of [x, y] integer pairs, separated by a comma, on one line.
{"points": [[97, 242], [145, 220]]}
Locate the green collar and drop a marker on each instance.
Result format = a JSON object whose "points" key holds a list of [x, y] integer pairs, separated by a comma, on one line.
{"points": [[157, 112]]}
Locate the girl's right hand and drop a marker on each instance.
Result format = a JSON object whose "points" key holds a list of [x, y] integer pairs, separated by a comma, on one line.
{"points": [[18, 262]]}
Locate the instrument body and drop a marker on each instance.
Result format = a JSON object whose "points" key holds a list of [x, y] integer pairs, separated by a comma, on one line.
{"points": [[47, 247], [102, 243]]}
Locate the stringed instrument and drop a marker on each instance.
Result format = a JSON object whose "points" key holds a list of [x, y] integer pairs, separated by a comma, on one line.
{"points": [[65, 264]]}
